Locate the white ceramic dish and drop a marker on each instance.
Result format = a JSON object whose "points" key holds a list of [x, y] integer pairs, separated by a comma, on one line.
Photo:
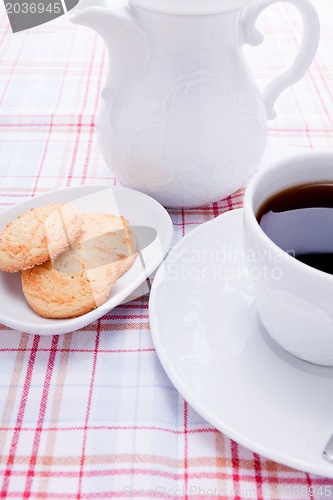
{"points": [[216, 352], [138, 208]]}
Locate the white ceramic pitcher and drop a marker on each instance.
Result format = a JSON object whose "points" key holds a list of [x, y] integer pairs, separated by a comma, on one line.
{"points": [[181, 117]]}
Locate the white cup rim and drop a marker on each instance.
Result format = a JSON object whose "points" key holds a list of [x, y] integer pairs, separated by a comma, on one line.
{"points": [[254, 226]]}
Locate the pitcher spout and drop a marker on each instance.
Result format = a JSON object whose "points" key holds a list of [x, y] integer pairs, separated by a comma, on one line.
{"points": [[119, 29], [107, 22]]}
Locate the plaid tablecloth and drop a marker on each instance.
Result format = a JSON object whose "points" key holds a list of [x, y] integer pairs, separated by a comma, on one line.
{"points": [[92, 414]]}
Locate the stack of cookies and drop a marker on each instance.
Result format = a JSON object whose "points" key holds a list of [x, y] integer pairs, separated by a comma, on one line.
{"points": [[69, 260]]}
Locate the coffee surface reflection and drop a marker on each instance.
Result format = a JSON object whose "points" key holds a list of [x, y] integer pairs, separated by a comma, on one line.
{"points": [[300, 221]]}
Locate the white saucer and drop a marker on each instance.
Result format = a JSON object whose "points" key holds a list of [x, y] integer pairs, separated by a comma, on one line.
{"points": [[215, 351], [140, 210]]}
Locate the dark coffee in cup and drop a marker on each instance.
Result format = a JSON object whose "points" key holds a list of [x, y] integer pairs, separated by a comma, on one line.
{"points": [[300, 221]]}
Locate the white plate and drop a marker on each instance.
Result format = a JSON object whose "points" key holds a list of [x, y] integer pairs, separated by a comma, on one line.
{"points": [[217, 354], [139, 209]]}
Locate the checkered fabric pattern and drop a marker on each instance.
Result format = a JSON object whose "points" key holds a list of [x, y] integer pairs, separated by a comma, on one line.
{"points": [[92, 414]]}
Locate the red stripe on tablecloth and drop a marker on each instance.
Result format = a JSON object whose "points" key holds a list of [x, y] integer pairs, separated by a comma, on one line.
{"points": [[63, 79], [113, 428], [127, 316], [87, 159], [20, 125], [258, 475], [111, 351], [85, 99], [186, 449], [183, 222], [56, 406], [95, 177], [188, 223], [41, 416], [43, 159], [91, 388], [235, 467], [91, 133], [229, 203], [163, 473], [129, 306], [20, 416], [310, 485]]}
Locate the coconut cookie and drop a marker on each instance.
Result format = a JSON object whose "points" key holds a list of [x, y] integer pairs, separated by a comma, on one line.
{"points": [[80, 279], [105, 239], [37, 235]]}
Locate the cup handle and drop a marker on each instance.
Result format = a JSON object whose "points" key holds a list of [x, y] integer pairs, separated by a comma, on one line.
{"points": [[305, 56]]}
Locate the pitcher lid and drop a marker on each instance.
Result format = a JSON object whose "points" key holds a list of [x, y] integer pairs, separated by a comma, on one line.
{"points": [[190, 7]]}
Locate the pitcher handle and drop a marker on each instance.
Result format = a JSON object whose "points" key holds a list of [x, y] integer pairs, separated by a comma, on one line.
{"points": [[305, 56]]}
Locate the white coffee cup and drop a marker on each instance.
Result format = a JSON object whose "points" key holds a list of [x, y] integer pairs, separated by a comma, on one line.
{"points": [[294, 300]]}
